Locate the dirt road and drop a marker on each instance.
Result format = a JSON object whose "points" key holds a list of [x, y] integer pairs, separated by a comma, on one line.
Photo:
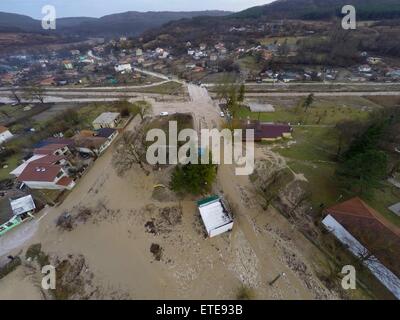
{"points": [[116, 242]]}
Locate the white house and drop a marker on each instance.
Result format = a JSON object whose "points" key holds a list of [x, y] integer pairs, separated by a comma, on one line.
{"points": [[5, 134], [123, 68], [107, 120], [215, 216], [46, 176]]}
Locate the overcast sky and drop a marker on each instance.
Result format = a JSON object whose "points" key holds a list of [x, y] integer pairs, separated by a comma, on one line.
{"points": [[98, 8]]}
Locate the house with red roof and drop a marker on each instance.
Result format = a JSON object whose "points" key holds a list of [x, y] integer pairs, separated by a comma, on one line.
{"points": [[369, 237], [268, 131], [46, 169]]}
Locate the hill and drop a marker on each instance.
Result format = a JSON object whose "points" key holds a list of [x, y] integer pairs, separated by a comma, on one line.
{"points": [[130, 23], [322, 9]]}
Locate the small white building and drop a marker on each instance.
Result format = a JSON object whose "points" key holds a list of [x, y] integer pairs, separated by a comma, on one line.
{"points": [[5, 134], [107, 120], [23, 206], [123, 68], [215, 216]]}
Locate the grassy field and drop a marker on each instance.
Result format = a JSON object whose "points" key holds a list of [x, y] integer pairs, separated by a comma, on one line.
{"points": [[319, 114], [313, 155], [12, 162], [170, 88], [279, 40], [249, 63]]}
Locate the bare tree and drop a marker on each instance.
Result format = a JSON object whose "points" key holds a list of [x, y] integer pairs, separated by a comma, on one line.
{"points": [[143, 108], [35, 93], [130, 150], [269, 189], [14, 96]]}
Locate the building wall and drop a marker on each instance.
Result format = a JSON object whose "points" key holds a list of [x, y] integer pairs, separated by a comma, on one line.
{"points": [[383, 274], [220, 230], [43, 185]]}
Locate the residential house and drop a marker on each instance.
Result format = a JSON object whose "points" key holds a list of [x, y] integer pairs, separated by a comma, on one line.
{"points": [[42, 175], [215, 215], [123, 68], [22, 209], [57, 149], [5, 134], [48, 81], [46, 169], [107, 120], [68, 65], [139, 52], [268, 131], [369, 237], [364, 68], [95, 142]]}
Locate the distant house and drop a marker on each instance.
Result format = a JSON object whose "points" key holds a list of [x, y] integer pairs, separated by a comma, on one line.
{"points": [[123, 68], [139, 52], [364, 68], [268, 131], [367, 234], [107, 120], [49, 81], [5, 134], [215, 216]]}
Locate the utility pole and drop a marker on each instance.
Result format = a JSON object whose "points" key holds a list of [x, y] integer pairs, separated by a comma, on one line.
{"points": [[271, 283]]}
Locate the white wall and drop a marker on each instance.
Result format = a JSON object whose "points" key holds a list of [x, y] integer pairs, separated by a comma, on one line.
{"points": [[383, 274], [218, 231]]}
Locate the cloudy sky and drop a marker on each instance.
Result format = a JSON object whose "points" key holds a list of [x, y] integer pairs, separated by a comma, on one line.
{"points": [[97, 8]]}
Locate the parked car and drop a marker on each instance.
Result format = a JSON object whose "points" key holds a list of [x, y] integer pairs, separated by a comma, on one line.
{"points": [[164, 114], [222, 114]]}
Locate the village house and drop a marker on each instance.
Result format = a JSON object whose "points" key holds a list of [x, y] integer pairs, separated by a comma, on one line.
{"points": [[43, 171], [369, 237], [5, 134], [123, 68], [95, 143], [268, 132], [47, 168], [107, 120]]}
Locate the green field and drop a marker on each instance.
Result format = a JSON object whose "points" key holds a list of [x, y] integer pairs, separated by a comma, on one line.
{"points": [[320, 114], [12, 163], [313, 155]]}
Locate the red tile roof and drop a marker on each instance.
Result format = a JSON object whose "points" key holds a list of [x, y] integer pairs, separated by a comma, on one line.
{"points": [[268, 130], [39, 172], [65, 181], [48, 159], [49, 149], [369, 228], [3, 129]]}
